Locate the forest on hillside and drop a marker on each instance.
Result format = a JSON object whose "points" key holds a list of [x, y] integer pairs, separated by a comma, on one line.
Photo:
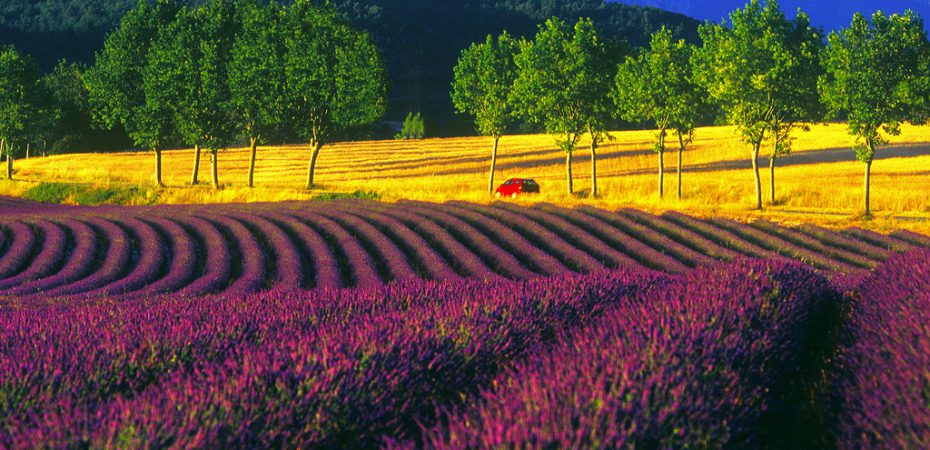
{"points": [[419, 39]]}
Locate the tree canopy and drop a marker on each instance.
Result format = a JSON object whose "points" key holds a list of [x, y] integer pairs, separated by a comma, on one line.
{"points": [[877, 77], [20, 102]]}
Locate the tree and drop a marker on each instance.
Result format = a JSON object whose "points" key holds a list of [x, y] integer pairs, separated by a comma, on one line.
{"points": [[188, 68], [120, 91], [563, 84], [412, 127], [69, 121], [658, 86], [257, 75], [20, 103], [334, 75], [483, 79], [876, 73], [754, 70]]}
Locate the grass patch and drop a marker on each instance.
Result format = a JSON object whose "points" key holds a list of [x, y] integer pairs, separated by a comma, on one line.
{"points": [[81, 194], [359, 194]]}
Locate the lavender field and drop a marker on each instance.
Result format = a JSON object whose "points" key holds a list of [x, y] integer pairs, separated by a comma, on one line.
{"points": [[411, 325]]}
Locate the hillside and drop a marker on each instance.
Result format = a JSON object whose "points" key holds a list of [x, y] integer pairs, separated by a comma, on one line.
{"points": [[420, 39], [717, 178]]}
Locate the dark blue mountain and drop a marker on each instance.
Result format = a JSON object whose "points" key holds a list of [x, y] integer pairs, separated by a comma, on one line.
{"points": [[828, 14]]}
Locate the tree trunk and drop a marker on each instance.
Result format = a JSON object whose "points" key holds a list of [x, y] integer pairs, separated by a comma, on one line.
{"points": [[868, 176], [253, 144], [213, 170], [493, 165], [772, 178], [681, 149], [593, 168], [196, 172], [661, 152], [27, 151], [158, 167], [312, 168], [568, 171], [755, 171], [9, 163]]}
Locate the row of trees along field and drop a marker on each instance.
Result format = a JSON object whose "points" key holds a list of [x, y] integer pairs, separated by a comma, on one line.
{"points": [[764, 73], [205, 75]]}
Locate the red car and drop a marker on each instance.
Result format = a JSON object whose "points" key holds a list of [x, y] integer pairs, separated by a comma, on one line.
{"points": [[516, 186]]}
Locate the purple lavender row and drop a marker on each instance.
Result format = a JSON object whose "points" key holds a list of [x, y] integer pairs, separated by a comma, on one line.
{"points": [[250, 256], [182, 263], [802, 240], [467, 262], [4, 240], [912, 238], [325, 267], [681, 234], [523, 250], [17, 256], [782, 246], [288, 263], [78, 264], [216, 259], [498, 259], [589, 244], [642, 253], [388, 253], [49, 258], [432, 265], [656, 240], [537, 235], [149, 258], [280, 368], [704, 363], [364, 273], [115, 262], [877, 239], [831, 238], [881, 379], [724, 237]]}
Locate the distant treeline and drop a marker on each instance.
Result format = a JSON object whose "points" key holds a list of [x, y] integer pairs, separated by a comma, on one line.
{"points": [[419, 39]]}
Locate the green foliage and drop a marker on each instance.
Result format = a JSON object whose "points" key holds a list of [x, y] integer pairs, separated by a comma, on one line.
{"points": [[80, 194], [21, 100], [122, 87], [762, 69], [257, 70], [483, 78], [658, 86], [413, 127], [68, 124], [334, 74], [563, 81], [359, 194], [877, 76]]}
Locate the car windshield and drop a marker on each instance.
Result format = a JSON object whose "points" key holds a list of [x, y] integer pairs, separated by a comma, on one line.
{"points": [[508, 182], [530, 182]]}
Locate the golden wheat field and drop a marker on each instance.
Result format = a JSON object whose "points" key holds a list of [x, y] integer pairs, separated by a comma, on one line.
{"points": [[821, 181]]}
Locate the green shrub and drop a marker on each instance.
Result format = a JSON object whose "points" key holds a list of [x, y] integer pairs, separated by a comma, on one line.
{"points": [[80, 194], [359, 194]]}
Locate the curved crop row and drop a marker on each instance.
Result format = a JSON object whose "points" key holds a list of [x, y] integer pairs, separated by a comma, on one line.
{"points": [[681, 234], [216, 258], [465, 261], [498, 259], [53, 249], [881, 380], [574, 236], [721, 236], [912, 238], [247, 253], [878, 239], [317, 256], [283, 253], [521, 248], [363, 272], [384, 251], [183, 262], [539, 236], [657, 240], [431, 265], [148, 253], [80, 263], [830, 238], [704, 363], [19, 251], [116, 260], [782, 246], [804, 241]]}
